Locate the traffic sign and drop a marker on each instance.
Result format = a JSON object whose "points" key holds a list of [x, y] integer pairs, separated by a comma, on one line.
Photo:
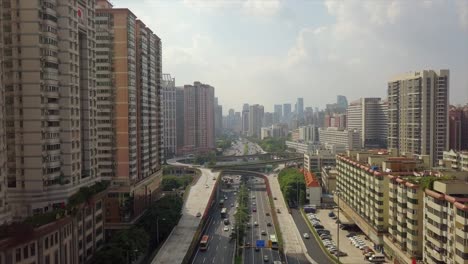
{"points": [[260, 243]]}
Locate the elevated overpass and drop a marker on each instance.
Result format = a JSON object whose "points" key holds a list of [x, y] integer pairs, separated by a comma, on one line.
{"points": [[264, 156], [255, 164]]}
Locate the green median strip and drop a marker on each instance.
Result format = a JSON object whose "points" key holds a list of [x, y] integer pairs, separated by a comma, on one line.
{"points": [[317, 238]]}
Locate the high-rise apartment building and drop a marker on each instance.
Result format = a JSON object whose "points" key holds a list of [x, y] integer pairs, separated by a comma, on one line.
{"points": [[199, 117], [458, 128], [342, 102], [168, 112], [49, 78], [418, 113], [129, 77], [267, 119], [369, 116], [309, 133], [256, 113], [4, 207], [180, 112], [245, 119]]}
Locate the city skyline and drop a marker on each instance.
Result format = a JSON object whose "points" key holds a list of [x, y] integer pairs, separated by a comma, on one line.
{"points": [[303, 45]]}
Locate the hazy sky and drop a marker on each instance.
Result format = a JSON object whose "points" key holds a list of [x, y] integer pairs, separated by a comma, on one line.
{"points": [[273, 51]]}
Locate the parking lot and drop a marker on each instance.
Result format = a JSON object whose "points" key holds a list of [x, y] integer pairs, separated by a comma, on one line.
{"points": [[354, 254]]}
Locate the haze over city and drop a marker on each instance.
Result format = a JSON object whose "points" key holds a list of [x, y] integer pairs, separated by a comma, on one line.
{"points": [[275, 51]]}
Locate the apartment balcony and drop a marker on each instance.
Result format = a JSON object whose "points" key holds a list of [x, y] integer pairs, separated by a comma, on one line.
{"points": [[461, 220], [436, 242], [459, 232], [52, 106]]}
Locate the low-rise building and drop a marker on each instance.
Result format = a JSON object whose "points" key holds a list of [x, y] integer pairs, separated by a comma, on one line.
{"points": [[60, 236], [314, 161], [313, 188], [457, 160], [351, 139], [328, 179], [446, 223]]}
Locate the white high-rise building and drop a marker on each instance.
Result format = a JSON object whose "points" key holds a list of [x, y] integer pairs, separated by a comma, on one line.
{"points": [[418, 113], [350, 139], [369, 116], [168, 111], [255, 120]]}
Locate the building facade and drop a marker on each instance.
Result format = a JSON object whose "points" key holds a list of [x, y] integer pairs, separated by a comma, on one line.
{"points": [[180, 112], [5, 215], [458, 128], [256, 113], [369, 116], [51, 137], [314, 161], [351, 139], [199, 129], [418, 113], [309, 133], [218, 119], [168, 111], [456, 160]]}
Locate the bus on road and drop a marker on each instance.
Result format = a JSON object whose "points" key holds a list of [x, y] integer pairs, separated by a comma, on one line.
{"points": [[204, 243], [223, 212], [274, 242]]}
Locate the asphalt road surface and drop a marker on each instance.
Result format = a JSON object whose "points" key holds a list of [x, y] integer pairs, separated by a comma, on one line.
{"points": [[259, 200], [312, 245], [220, 246]]}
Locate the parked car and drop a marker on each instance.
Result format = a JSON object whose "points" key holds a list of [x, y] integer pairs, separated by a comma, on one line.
{"points": [[306, 236], [350, 235]]}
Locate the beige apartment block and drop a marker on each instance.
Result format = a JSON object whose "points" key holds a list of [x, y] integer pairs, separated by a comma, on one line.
{"points": [[328, 178], [4, 207], [405, 218], [446, 223], [418, 113], [67, 240], [50, 99], [314, 161], [363, 180]]}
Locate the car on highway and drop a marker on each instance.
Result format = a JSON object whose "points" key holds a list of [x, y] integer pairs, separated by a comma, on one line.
{"points": [[214, 178], [265, 258], [306, 235], [267, 214], [268, 224], [278, 210], [206, 186], [263, 233], [198, 214], [255, 223], [274, 198], [226, 221], [257, 249], [226, 228], [254, 209], [254, 203]]}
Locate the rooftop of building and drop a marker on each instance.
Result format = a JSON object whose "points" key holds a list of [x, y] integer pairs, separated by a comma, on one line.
{"points": [[310, 179]]}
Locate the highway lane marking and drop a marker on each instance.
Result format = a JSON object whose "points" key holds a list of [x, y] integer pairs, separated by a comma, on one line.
{"points": [[204, 260]]}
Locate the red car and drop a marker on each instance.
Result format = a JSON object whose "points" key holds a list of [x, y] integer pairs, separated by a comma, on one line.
{"points": [[254, 209]]}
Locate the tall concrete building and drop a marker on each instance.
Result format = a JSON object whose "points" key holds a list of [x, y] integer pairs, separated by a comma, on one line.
{"points": [[218, 113], [129, 78], [286, 112], [245, 119], [278, 113], [49, 83], [369, 116], [458, 128], [5, 216], [350, 139], [180, 112], [418, 113], [168, 113], [300, 108], [256, 113], [199, 129], [309, 133], [341, 101], [267, 119]]}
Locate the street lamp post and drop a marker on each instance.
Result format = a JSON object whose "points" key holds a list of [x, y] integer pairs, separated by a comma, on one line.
{"points": [[337, 193]]}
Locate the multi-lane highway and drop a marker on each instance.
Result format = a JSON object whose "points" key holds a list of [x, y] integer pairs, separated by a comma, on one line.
{"points": [[220, 245], [262, 216]]}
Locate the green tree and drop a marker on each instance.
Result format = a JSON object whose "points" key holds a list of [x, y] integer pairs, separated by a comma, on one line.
{"points": [[292, 183]]}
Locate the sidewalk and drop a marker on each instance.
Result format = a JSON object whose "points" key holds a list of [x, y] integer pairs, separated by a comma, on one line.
{"points": [[293, 243], [177, 244]]}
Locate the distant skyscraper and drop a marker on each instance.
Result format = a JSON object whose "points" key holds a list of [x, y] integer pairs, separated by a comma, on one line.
{"points": [[286, 112], [300, 108], [199, 118], [418, 113], [341, 101], [369, 116], [245, 119], [458, 128], [278, 113], [218, 112], [267, 119], [308, 116], [168, 110], [256, 113], [180, 112]]}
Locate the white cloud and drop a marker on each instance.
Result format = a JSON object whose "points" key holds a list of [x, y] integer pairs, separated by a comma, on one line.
{"points": [[262, 7]]}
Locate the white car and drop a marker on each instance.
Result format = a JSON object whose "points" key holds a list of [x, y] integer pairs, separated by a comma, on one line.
{"points": [[306, 236], [226, 228]]}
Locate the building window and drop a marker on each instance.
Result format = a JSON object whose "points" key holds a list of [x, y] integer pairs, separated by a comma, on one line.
{"points": [[18, 254]]}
